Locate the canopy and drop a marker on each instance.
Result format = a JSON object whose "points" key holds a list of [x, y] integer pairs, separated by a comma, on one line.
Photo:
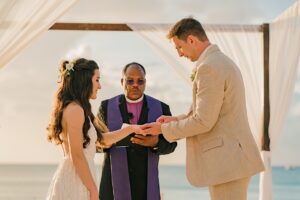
{"points": [[268, 59]]}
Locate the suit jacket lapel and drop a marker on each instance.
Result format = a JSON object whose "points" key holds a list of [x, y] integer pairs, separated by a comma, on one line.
{"points": [[213, 48]]}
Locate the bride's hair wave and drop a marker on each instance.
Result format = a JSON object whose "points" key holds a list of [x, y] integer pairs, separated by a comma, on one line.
{"points": [[75, 86]]}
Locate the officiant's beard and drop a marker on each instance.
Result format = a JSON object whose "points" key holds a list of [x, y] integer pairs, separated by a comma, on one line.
{"points": [[134, 94]]}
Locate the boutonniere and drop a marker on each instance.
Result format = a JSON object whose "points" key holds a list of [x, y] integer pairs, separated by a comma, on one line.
{"points": [[193, 74]]}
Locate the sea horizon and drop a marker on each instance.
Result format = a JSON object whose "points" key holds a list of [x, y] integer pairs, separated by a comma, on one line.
{"points": [[31, 182], [163, 164]]}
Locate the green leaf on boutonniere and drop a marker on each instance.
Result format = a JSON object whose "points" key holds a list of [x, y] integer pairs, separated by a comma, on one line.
{"points": [[193, 75]]}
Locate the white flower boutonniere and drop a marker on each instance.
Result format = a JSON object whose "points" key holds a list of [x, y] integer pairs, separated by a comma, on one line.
{"points": [[193, 74]]}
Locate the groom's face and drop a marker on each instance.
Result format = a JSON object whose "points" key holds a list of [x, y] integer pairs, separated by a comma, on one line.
{"points": [[134, 82], [185, 48]]}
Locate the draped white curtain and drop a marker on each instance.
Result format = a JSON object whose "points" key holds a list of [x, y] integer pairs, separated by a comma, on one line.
{"points": [[284, 60], [244, 45], [21, 21]]}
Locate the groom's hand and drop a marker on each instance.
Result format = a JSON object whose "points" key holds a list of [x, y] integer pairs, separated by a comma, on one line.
{"points": [[166, 119], [153, 128]]}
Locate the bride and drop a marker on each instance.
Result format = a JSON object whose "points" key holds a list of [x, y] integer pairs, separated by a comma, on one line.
{"points": [[74, 126]]}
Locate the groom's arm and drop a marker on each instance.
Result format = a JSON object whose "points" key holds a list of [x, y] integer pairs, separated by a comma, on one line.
{"points": [[163, 146], [209, 99]]}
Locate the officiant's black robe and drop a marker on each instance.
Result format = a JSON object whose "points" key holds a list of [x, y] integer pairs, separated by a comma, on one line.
{"points": [[137, 155]]}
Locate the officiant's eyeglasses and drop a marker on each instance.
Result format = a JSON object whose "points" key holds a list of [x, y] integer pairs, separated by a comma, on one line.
{"points": [[139, 82]]}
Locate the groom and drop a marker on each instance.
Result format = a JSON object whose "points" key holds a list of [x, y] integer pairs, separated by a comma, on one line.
{"points": [[221, 151]]}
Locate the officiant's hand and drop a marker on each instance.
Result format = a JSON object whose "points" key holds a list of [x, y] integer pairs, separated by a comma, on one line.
{"points": [[153, 128], [166, 119], [146, 141]]}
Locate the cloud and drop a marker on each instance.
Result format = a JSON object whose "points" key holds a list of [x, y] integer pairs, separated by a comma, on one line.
{"points": [[115, 11], [81, 51], [221, 12], [169, 11]]}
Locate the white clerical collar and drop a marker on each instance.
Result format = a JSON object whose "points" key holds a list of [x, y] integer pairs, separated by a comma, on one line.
{"points": [[203, 54], [135, 101]]}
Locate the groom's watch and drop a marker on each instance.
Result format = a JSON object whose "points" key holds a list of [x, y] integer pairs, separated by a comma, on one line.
{"points": [[155, 148]]}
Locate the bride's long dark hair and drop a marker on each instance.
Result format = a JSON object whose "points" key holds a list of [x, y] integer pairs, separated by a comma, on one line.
{"points": [[75, 86]]}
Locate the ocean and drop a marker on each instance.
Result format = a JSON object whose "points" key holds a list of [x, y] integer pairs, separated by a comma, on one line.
{"points": [[30, 182]]}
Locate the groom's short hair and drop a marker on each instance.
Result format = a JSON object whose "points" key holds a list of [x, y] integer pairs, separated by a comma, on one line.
{"points": [[185, 27]]}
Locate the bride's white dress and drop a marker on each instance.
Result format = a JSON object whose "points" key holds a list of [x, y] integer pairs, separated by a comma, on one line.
{"points": [[66, 184]]}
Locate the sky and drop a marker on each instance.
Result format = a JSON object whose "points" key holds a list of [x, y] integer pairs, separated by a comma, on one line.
{"points": [[29, 81]]}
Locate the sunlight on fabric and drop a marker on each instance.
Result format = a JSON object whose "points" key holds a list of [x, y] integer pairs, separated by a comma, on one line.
{"points": [[21, 22]]}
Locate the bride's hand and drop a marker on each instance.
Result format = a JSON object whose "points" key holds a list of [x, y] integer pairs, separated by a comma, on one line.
{"points": [[137, 129], [100, 145]]}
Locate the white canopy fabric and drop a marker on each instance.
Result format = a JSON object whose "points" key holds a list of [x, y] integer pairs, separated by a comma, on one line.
{"points": [[284, 61], [22, 21]]}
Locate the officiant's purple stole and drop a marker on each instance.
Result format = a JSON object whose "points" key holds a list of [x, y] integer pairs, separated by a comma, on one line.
{"points": [[118, 154]]}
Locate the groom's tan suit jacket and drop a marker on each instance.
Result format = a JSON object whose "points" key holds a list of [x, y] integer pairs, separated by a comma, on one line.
{"points": [[219, 144]]}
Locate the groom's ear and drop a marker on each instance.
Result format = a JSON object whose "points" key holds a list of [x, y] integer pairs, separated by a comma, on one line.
{"points": [[122, 81], [190, 39]]}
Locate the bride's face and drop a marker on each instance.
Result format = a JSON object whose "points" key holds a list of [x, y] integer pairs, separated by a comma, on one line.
{"points": [[96, 84]]}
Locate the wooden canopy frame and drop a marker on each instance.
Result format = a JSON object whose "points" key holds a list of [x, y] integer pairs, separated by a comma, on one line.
{"points": [[266, 38]]}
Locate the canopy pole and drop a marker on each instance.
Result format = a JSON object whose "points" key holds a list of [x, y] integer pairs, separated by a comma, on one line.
{"points": [[90, 27], [125, 27], [266, 115]]}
